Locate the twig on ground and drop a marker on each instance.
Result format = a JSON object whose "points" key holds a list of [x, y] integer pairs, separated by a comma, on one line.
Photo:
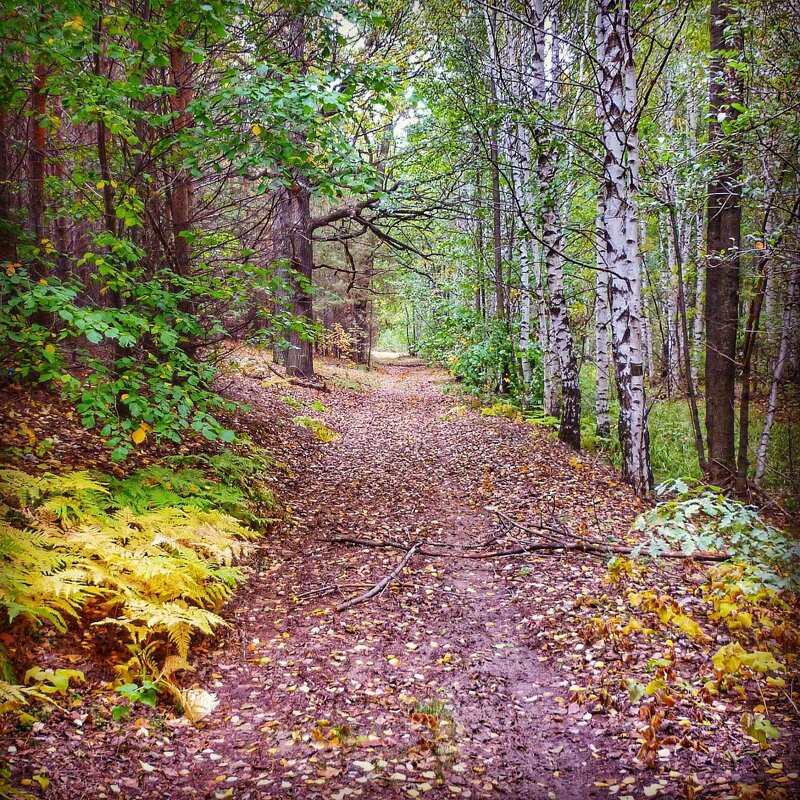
{"points": [[381, 585], [319, 386]]}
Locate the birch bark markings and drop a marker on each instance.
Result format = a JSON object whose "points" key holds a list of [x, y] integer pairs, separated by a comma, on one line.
{"points": [[619, 214], [570, 428], [602, 316]]}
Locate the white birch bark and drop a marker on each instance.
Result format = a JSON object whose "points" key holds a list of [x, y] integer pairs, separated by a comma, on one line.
{"points": [[670, 304], [617, 79], [789, 321], [544, 93], [551, 399], [525, 315], [699, 294], [602, 341]]}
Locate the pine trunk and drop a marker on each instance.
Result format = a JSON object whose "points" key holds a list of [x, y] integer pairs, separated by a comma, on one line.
{"points": [[723, 236]]}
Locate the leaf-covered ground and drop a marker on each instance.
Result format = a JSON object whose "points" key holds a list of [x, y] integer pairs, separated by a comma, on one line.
{"points": [[535, 676]]}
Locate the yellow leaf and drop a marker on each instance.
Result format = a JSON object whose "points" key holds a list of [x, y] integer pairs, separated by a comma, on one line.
{"points": [[50, 349], [761, 661], [75, 24], [687, 625], [256, 130], [139, 435]]}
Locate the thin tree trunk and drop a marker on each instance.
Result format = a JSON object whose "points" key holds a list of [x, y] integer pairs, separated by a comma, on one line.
{"points": [[698, 327], [8, 232], [525, 313], [789, 322], [37, 142], [602, 341], [687, 356], [182, 190], [617, 75], [723, 228], [570, 428], [497, 233]]}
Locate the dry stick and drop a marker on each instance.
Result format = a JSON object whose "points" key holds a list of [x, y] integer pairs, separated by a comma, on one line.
{"points": [[381, 585], [260, 376], [321, 591], [543, 547], [593, 546], [388, 543], [541, 527], [600, 550]]}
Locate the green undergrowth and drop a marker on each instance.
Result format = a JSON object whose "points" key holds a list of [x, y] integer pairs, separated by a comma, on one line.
{"points": [[149, 558], [318, 428]]}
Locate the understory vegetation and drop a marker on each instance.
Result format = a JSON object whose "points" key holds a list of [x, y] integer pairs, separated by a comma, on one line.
{"points": [[146, 561]]}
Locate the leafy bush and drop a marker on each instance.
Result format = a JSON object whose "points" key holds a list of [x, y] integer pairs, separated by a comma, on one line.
{"points": [[703, 518], [137, 376], [480, 353]]}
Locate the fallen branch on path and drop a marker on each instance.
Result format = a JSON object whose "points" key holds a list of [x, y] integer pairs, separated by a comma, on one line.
{"points": [[582, 544], [381, 585], [595, 549], [322, 591], [381, 543], [550, 547], [319, 385]]}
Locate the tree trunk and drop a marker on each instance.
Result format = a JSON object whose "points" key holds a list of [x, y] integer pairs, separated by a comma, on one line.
{"points": [[497, 233], [525, 314], [686, 349], [617, 107], [602, 316], [37, 142], [570, 428], [361, 329], [8, 233], [182, 190], [299, 358], [698, 327], [723, 235], [789, 322]]}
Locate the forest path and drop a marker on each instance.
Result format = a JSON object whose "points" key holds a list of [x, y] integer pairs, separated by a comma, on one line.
{"points": [[446, 675], [455, 682]]}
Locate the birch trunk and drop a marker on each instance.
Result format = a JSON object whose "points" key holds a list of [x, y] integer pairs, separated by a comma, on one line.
{"points": [[698, 327], [602, 342], [552, 397], [525, 315], [570, 428], [617, 78], [789, 321]]}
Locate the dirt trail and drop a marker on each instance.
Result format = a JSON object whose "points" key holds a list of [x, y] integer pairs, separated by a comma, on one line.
{"points": [[447, 685], [453, 638]]}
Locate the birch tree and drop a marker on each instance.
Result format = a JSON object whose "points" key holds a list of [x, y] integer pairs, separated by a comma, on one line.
{"points": [[544, 94], [617, 109]]}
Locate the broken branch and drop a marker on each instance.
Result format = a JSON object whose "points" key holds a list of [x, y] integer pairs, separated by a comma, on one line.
{"points": [[381, 585]]}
